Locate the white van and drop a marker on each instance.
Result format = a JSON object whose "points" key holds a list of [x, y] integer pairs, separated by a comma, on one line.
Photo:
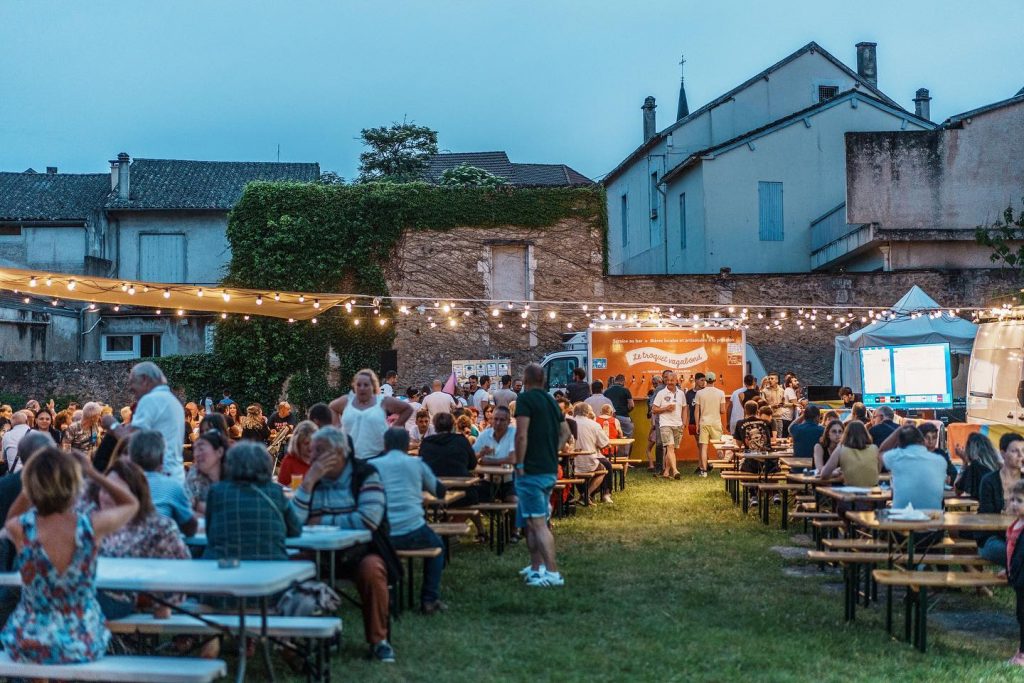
{"points": [[995, 386]]}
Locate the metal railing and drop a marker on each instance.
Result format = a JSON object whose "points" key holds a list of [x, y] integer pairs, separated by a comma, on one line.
{"points": [[830, 227]]}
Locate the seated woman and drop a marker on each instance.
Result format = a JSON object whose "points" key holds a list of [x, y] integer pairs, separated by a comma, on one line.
{"points": [[994, 495], [296, 462], [208, 451], [856, 456], [247, 517], [254, 427], [148, 534], [213, 421], [58, 620], [830, 439], [980, 458]]}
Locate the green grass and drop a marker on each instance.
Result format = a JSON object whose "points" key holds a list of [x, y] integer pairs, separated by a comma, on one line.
{"points": [[669, 583]]}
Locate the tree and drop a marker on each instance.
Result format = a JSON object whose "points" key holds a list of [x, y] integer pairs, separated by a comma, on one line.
{"points": [[1006, 239], [465, 175], [398, 152], [330, 178]]}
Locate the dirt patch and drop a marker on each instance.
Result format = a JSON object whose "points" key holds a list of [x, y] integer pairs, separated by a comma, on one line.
{"points": [[989, 624], [789, 552]]}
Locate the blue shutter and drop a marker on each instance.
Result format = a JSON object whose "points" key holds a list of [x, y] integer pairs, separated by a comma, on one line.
{"points": [[624, 211], [682, 220], [769, 209]]}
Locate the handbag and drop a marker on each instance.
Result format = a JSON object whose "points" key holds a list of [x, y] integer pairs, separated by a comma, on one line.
{"points": [[309, 598]]}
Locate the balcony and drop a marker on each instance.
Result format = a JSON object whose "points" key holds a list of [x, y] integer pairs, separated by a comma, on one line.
{"points": [[833, 239]]}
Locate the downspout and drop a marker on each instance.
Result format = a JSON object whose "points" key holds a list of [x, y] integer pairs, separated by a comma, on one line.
{"points": [[81, 337]]}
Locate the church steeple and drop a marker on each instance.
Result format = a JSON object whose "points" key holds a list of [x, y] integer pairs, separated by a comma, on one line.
{"points": [[684, 108]]}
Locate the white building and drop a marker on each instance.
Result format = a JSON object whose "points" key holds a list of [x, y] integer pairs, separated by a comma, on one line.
{"points": [[738, 183]]}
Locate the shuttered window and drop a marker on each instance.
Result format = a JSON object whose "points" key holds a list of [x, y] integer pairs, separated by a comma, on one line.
{"points": [[161, 258], [769, 208], [510, 272], [682, 220]]}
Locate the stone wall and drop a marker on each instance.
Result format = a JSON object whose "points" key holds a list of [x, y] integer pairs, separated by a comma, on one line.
{"points": [[567, 265], [104, 381]]}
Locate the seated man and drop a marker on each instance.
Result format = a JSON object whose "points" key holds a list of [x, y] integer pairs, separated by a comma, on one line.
{"points": [[405, 479], [591, 437], [146, 449], [754, 434], [496, 445], [347, 493]]}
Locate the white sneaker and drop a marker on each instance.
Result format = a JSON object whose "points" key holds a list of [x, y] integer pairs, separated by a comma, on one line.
{"points": [[606, 498], [554, 578], [545, 580], [537, 578], [525, 571]]}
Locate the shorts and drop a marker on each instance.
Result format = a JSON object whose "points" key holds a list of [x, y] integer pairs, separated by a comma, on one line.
{"points": [[709, 433], [534, 493], [671, 436]]}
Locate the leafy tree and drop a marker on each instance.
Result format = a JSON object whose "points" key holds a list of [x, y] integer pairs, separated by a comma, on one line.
{"points": [[1006, 239], [398, 152], [330, 178], [465, 175]]}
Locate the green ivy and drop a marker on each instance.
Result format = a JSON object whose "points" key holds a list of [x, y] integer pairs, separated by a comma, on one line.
{"points": [[337, 238]]}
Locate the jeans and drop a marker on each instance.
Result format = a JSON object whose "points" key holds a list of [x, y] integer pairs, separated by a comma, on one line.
{"points": [[424, 537], [994, 550], [627, 433]]}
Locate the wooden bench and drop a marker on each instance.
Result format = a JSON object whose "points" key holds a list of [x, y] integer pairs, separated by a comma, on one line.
{"points": [[499, 526], [780, 487], [917, 584], [317, 633], [448, 531], [409, 580], [733, 479], [117, 668], [809, 516]]}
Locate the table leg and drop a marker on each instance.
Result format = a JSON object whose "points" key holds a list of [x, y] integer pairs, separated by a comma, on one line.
{"points": [[242, 644], [264, 639], [922, 619], [910, 596], [785, 510], [888, 589]]}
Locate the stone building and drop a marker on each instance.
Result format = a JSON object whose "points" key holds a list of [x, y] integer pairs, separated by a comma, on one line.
{"points": [[156, 220]]}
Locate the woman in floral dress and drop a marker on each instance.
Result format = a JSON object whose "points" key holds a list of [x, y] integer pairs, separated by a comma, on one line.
{"points": [[58, 620]]}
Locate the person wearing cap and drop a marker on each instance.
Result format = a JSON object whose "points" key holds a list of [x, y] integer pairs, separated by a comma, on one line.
{"points": [[709, 403]]}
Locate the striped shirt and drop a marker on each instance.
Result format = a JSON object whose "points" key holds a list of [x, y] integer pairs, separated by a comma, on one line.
{"points": [[332, 502]]}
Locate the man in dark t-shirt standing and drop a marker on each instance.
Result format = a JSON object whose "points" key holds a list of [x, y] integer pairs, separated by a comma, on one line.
{"points": [[541, 431], [622, 401], [578, 390]]}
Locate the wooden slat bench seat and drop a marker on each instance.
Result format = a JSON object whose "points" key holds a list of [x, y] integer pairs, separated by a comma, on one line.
{"points": [[409, 580], [177, 624], [918, 583], [116, 668], [499, 525]]}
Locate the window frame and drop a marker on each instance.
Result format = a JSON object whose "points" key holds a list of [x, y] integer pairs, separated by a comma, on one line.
{"points": [[763, 228]]}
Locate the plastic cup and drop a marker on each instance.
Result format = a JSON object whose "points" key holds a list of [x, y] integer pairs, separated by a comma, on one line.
{"points": [[296, 481]]}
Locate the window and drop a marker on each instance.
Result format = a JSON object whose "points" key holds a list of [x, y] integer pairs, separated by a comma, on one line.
{"points": [[769, 208], [654, 196], [510, 272], [10, 230], [129, 346], [560, 372], [827, 92], [161, 257], [624, 218], [682, 220]]}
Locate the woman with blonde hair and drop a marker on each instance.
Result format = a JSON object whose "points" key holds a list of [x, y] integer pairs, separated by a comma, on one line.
{"points": [[254, 427], [365, 414], [300, 455]]}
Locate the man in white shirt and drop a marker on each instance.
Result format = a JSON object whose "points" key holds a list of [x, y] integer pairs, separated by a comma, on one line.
{"points": [[437, 401], [482, 396], [158, 410], [709, 403], [590, 436], [19, 428], [390, 383], [668, 406], [496, 445]]}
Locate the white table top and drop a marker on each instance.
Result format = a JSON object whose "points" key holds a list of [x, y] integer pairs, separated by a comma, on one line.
{"points": [[252, 578], [312, 538]]}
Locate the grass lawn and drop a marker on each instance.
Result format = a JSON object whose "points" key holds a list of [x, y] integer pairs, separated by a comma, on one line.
{"points": [[668, 583]]}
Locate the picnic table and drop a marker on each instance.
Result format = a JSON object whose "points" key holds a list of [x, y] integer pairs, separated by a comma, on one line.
{"points": [[797, 463], [458, 482], [259, 579]]}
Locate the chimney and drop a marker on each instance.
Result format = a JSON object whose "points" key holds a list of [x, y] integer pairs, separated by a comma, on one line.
{"points": [[867, 64], [922, 104], [113, 174], [123, 172], [51, 170], [650, 128]]}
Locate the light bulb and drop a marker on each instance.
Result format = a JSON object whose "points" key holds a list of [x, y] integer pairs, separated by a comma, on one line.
{"points": [[316, 303], [223, 316], [495, 312], [71, 284], [356, 321], [277, 297], [33, 282], [302, 298], [259, 299], [383, 322], [49, 281], [227, 297], [167, 293], [313, 321], [181, 312], [200, 293], [131, 290]]}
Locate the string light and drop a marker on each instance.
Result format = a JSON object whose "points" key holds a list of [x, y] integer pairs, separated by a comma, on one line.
{"points": [[223, 316], [200, 293], [181, 312], [131, 290], [313, 321], [49, 281], [316, 303], [71, 285], [226, 296], [167, 293], [277, 296], [33, 282], [302, 299], [259, 299]]}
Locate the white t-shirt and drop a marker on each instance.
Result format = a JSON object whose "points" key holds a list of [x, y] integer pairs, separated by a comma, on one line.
{"points": [[387, 390], [590, 437], [481, 398], [674, 417], [438, 402], [789, 396], [161, 410], [709, 400], [737, 408]]}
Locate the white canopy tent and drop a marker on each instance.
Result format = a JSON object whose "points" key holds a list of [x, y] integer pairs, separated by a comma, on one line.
{"points": [[902, 329]]}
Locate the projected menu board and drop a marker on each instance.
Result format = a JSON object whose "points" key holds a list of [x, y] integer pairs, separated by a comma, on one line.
{"points": [[912, 376]]}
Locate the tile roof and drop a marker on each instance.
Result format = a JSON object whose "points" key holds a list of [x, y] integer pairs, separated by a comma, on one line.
{"points": [[215, 185], [955, 121], [51, 196], [497, 163]]}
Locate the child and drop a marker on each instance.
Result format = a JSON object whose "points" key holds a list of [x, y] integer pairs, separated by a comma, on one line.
{"points": [[58, 620], [1015, 560]]}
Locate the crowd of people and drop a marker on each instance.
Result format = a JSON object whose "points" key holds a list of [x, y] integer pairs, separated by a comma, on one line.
{"points": [[82, 483]]}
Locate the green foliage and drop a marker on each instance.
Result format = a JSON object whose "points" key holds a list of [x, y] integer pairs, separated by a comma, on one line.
{"points": [[465, 175], [197, 375], [337, 238], [1000, 237], [330, 178], [398, 152]]}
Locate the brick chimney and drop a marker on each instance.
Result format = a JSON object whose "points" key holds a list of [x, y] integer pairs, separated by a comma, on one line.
{"points": [[123, 176], [922, 104], [650, 127], [867, 63]]}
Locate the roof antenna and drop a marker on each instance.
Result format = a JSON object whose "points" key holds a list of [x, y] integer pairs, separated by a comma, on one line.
{"points": [[683, 109], [279, 152]]}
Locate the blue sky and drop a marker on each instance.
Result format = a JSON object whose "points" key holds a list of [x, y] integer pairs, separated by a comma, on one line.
{"points": [[558, 81]]}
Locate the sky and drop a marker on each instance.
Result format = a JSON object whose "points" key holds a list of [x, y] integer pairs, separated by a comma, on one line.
{"points": [[549, 81]]}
